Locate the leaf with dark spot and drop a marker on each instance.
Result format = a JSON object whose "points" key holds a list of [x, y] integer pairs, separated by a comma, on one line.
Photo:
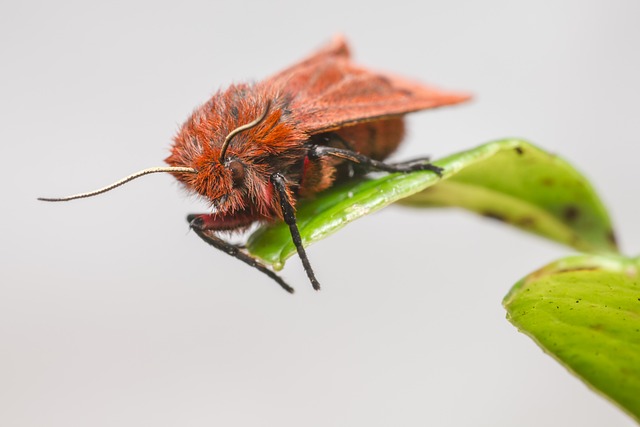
{"points": [[594, 326], [571, 213], [494, 215]]}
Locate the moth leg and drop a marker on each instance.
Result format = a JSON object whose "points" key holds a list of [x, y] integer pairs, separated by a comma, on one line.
{"points": [[316, 151], [197, 222], [412, 162], [290, 219], [331, 137]]}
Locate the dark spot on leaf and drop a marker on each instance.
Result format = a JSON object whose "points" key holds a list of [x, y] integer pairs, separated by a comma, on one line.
{"points": [[494, 215], [526, 221], [597, 327], [611, 237], [548, 182], [519, 150], [571, 213], [573, 269]]}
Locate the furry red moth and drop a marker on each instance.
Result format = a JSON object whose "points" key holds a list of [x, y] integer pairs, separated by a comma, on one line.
{"points": [[254, 150]]}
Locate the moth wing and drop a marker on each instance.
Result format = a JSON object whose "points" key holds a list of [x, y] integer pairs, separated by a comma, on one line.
{"points": [[341, 94], [337, 48], [326, 91]]}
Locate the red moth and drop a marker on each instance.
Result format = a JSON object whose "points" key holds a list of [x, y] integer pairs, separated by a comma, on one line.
{"points": [[254, 150]]}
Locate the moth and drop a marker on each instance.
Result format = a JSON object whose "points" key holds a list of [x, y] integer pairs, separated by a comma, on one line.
{"points": [[254, 150]]}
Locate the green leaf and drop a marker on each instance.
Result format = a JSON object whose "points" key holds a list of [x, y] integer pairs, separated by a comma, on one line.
{"points": [[520, 184], [509, 179], [585, 312]]}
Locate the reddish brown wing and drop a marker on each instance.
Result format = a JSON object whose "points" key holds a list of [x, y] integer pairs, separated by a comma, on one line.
{"points": [[329, 92], [335, 49]]}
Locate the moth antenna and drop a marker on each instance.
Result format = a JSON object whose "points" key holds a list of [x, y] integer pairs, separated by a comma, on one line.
{"points": [[242, 128], [119, 183]]}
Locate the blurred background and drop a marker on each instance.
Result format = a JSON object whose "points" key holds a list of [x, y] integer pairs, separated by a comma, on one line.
{"points": [[111, 313]]}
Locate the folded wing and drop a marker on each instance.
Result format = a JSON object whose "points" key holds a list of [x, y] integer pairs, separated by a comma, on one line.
{"points": [[329, 92]]}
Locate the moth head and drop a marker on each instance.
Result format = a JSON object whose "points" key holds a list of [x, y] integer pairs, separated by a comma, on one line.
{"points": [[229, 174]]}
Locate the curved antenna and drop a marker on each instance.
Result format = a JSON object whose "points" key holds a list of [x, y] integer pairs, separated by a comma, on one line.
{"points": [[242, 128], [119, 183]]}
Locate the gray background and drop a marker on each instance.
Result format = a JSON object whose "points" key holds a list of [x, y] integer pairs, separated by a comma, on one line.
{"points": [[111, 313]]}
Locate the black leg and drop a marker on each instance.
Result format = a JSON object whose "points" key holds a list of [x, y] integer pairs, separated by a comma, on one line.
{"points": [[412, 162], [290, 218], [329, 138], [411, 166], [196, 224]]}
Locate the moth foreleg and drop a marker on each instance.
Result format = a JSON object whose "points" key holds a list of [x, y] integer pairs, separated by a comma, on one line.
{"points": [[197, 222], [290, 219]]}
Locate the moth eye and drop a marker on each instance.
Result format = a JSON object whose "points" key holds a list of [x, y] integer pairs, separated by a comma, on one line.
{"points": [[237, 172]]}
